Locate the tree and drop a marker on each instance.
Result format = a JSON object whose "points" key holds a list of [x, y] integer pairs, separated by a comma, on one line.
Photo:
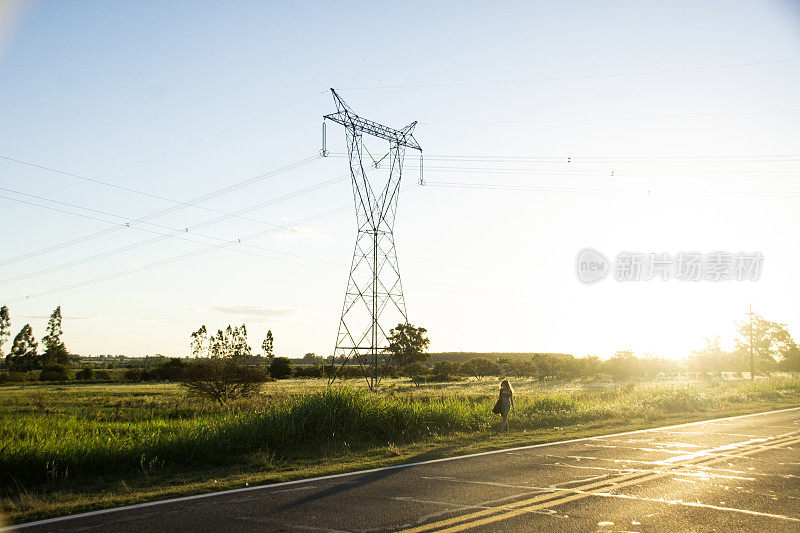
{"points": [[771, 342], [445, 368], [238, 342], [5, 327], [312, 359], [478, 367], [23, 350], [791, 360], [218, 346], [711, 358], [407, 344], [416, 371], [267, 345], [54, 349], [280, 368], [199, 341], [624, 366], [227, 374]]}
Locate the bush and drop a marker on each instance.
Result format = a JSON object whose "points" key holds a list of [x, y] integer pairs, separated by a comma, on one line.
{"points": [[134, 374], [312, 371], [55, 372], [14, 377], [172, 370], [85, 374], [349, 372], [280, 368], [223, 378], [444, 371]]}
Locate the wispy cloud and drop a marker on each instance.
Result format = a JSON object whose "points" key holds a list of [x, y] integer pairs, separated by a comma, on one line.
{"points": [[258, 311], [69, 318], [296, 232], [64, 318]]}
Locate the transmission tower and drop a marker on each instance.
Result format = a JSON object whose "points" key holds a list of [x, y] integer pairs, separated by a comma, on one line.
{"points": [[373, 301]]}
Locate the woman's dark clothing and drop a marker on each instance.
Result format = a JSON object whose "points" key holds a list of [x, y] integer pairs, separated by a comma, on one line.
{"points": [[505, 401]]}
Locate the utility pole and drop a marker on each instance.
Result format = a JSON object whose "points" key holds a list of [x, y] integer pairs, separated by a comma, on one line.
{"points": [[752, 363], [374, 295]]}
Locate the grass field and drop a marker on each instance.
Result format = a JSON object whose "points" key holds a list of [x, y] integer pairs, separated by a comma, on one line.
{"points": [[67, 448]]}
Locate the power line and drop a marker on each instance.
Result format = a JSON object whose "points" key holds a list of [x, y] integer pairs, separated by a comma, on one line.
{"points": [[176, 233], [579, 77], [224, 190], [573, 158], [179, 205], [688, 173], [605, 190], [206, 249], [150, 157], [604, 119], [161, 236], [209, 248]]}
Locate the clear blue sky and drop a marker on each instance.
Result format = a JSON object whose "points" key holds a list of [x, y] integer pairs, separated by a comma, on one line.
{"points": [[100, 88]]}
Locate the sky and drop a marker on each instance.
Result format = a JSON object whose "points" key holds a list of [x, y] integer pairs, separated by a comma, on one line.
{"points": [[546, 128]]}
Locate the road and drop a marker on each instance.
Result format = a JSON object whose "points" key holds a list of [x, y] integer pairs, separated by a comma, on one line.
{"points": [[733, 474]]}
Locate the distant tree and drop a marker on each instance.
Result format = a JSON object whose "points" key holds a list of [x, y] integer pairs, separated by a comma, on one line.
{"points": [[85, 374], [280, 368], [54, 349], [479, 367], [791, 359], [547, 365], [771, 343], [407, 344], [444, 369], [218, 344], [172, 369], [23, 355], [55, 372], [5, 327], [312, 359], [589, 365], [199, 341], [267, 345], [418, 372], [711, 358], [239, 345]]}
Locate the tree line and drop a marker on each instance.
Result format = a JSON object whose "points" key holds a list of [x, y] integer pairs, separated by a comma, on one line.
{"points": [[24, 353], [225, 366]]}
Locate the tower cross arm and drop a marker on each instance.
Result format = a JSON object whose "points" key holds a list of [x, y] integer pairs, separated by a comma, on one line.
{"points": [[404, 137]]}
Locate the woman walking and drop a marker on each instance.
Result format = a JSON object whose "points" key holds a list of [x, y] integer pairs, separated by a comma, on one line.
{"points": [[506, 402]]}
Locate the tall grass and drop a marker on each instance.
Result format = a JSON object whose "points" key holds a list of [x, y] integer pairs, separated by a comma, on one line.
{"points": [[37, 448], [45, 438]]}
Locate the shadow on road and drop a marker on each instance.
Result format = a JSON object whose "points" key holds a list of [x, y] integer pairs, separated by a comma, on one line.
{"points": [[370, 477]]}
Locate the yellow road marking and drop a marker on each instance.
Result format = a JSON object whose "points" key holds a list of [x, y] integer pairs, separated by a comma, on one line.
{"points": [[547, 500], [549, 495]]}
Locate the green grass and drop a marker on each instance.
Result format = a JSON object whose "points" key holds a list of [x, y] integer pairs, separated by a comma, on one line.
{"points": [[64, 448]]}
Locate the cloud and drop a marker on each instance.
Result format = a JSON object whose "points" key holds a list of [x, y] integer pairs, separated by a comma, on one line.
{"points": [[64, 318], [296, 232], [258, 311]]}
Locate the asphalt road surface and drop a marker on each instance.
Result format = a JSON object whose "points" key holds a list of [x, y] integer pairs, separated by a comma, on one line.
{"points": [[733, 474]]}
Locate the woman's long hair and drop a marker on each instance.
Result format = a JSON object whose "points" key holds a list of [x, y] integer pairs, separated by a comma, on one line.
{"points": [[506, 385]]}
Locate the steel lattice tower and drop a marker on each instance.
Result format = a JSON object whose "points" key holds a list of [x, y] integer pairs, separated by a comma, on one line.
{"points": [[374, 295]]}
